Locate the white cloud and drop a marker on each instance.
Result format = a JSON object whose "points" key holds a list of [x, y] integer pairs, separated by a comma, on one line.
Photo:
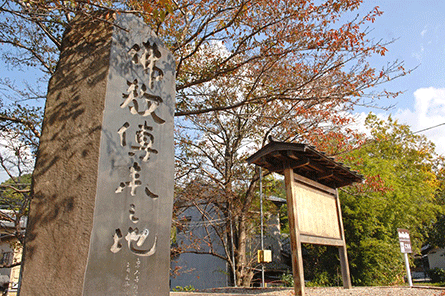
{"points": [[3, 176], [9, 146], [359, 121], [429, 111], [418, 55]]}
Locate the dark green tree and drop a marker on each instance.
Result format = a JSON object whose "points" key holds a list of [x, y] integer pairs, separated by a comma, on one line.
{"points": [[436, 232], [400, 192]]}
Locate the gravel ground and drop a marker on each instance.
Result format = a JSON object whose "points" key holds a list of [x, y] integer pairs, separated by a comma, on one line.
{"points": [[356, 291]]}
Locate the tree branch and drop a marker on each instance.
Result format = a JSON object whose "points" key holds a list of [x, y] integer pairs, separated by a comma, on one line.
{"points": [[28, 124]]}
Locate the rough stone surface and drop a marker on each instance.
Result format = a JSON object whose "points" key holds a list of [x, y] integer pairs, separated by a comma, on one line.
{"points": [[61, 211], [103, 185]]}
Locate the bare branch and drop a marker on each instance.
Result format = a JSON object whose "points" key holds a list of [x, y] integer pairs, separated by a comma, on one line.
{"points": [[29, 124]]}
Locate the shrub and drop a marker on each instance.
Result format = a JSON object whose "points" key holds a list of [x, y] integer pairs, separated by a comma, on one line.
{"points": [[287, 279], [188, 288], [437, 275]]}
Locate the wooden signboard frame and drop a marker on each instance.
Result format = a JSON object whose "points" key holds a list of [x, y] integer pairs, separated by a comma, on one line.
{"points": [[298, 237], [314, 211]]}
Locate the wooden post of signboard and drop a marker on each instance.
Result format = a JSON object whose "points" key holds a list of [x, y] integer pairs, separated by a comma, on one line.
{"points": [[345, 274], [297, 257]]}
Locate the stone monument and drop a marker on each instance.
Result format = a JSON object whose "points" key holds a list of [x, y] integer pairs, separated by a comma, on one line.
{"points": [[100, 217]]}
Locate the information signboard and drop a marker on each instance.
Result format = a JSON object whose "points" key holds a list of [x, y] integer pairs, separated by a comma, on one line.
{"points": [[405, 242], [405, 248]]}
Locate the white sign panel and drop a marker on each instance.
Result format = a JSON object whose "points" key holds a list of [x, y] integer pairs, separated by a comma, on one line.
{"points": [[405, 241]]}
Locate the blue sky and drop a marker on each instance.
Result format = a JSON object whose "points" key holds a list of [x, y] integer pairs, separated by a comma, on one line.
{"points": [[419, 27]]}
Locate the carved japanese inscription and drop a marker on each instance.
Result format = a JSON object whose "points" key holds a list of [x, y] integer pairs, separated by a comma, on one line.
{"points": [[100, 217], [131, 229]]}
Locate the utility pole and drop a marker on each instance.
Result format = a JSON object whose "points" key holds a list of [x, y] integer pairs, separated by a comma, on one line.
{"points": [[262, 234]]}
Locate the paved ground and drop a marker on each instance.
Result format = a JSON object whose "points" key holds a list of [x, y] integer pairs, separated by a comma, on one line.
{"points": [[357, 291]]}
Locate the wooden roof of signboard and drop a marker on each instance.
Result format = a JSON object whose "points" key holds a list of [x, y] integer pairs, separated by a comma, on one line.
{"points": [[306, 161]]}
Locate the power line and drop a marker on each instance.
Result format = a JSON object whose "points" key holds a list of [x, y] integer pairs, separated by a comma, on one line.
{"points": [[428, 128], [367, 143]]}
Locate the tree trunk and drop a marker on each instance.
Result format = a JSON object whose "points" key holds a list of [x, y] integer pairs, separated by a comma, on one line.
{"points": [[244, 272]]}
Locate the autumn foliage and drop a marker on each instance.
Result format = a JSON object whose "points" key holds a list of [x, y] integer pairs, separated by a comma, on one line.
{"points": [[245, 70]]}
